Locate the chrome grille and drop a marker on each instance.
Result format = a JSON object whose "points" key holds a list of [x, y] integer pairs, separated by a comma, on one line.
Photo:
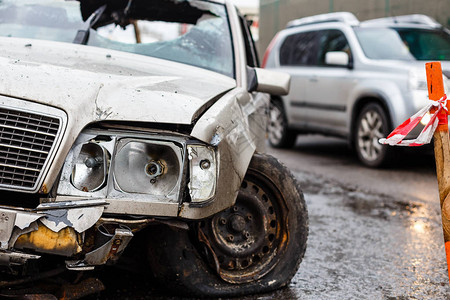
{"points": [[26, 141]]}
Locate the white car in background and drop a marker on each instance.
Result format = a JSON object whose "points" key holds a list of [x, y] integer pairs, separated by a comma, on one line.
{"points": [[153, 137], [351, 79]]}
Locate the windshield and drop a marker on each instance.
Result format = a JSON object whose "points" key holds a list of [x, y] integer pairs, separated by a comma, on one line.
{"points": [[382, 43], [426, 44], [191, 32]]}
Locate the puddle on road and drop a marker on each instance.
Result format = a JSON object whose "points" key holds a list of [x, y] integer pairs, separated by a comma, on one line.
{"points": [[382, 207], [361, 202]]}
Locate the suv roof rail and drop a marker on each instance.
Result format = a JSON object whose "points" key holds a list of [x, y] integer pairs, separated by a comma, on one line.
{"points": [[344, 17], [416, 19]]}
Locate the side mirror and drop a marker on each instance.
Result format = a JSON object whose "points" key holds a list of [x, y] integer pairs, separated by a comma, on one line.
{"points": [[266, 81], [337, 58]]}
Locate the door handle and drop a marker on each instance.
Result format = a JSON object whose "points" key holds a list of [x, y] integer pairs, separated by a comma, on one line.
{"points": [[313, 79]]}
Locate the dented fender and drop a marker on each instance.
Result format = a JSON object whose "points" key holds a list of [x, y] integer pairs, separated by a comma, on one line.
{"points": [[234, 125]]}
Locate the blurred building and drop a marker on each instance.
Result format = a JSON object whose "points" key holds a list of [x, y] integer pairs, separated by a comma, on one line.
{"points": [[274, 14]]}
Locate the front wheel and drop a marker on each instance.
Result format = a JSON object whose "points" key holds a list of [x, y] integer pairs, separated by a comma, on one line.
{"points": [[371, 125], [252, 247]]}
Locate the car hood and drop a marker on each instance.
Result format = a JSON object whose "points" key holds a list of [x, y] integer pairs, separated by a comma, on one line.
{"points": [[93, 84]]}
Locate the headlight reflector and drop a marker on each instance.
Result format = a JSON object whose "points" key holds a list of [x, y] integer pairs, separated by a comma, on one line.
{"points": [[90, 170], [147, 168], [203, 172]]}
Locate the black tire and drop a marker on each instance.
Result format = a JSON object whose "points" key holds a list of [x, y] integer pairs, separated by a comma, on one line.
{"points": [[278, 133], [263, 255], [371, 125]]}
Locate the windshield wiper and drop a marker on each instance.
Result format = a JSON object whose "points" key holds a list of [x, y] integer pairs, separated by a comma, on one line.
{"points": [[82, 36]]}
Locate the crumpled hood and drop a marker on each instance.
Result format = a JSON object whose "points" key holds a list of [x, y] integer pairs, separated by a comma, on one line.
{"points": [[93, 84]]}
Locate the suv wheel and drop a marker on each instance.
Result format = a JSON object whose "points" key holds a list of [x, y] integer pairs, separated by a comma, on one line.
{"points": [[278, 133], [371, 125]]}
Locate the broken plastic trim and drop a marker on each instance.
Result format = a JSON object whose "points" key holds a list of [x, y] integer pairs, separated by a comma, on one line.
{"points": [[39, 228]]}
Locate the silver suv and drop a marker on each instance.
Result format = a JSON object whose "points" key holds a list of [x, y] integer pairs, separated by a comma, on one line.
{"points": [[351, 79]]}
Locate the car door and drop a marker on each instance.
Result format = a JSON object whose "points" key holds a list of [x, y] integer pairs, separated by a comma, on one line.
{"points": [[329, 86]]}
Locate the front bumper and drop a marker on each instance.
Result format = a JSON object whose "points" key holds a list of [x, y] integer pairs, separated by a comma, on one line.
{"points": [[61, 229]]}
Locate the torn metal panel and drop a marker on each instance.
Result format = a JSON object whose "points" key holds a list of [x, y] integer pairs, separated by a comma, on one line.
{"points": [[110, 251], [11, 220], [79, 219], [80, 215], [52, 228], [23, 219]]}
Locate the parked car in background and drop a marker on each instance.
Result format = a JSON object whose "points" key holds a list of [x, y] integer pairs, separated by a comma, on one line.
{"points": [[107, 137], [351, 79]]}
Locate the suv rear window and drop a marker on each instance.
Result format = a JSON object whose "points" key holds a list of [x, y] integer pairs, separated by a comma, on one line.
{"points": [[426, 44]]}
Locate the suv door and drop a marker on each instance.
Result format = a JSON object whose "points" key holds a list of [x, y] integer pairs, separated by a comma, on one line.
{"points": [[329, 86], [297, 56]]}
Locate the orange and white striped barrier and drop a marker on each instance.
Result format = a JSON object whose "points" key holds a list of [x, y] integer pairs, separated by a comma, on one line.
{"points": [[438, 128]]}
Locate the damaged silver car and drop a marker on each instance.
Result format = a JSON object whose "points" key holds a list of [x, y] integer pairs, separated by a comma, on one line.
{"points": [[132, 119]]}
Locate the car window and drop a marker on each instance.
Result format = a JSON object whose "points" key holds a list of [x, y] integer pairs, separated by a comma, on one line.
{"points": [[300, 49], [191, 32], [382, 43], [332, 40], [426, 44]]}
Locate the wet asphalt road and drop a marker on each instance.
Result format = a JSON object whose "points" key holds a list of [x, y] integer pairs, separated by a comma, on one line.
{"points": [[374, 234]]}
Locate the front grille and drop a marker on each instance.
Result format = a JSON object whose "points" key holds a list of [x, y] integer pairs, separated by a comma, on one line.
{"points": [[26, 141]]}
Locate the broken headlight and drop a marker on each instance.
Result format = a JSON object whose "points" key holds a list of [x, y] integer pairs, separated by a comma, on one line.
{"points": [[146, 167], [90, 170], [121, 165], [203, 169]]}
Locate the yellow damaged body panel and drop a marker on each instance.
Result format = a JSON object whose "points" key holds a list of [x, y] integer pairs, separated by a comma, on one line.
{"points": [[65, 242]]}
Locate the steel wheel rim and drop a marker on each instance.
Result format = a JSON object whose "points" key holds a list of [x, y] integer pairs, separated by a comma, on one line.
{"points": [[370, 130], [249, 237], [275, 125]]}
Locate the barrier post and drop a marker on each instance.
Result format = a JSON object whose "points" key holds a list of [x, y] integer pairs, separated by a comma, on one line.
{"points": [[441, 150]]}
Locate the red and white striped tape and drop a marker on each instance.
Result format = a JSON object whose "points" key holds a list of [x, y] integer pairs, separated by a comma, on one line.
{"points": [[396, 138]]}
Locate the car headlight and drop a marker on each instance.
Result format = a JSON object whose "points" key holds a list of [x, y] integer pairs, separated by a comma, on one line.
{"points": [[142, 166], [90, 170], [203, 173], [146, 167]]}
